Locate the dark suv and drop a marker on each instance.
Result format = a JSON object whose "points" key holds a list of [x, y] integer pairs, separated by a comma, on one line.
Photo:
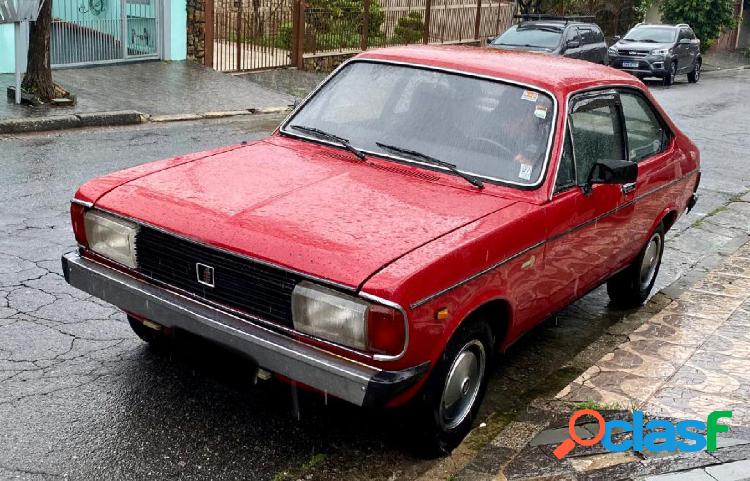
{"points": [[574, 37], [663, 51]]}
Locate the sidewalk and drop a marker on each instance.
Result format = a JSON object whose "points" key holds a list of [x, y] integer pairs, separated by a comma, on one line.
{"points": [[713, 61], [167, 90], [689, 359]]}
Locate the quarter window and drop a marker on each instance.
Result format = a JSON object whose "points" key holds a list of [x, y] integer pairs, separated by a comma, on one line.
{"points": [[646, 137], [597, 135], [566, 174]]}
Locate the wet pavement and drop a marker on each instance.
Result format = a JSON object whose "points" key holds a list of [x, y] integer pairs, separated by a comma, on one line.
{"points": [[154, 88], [82, 397]]}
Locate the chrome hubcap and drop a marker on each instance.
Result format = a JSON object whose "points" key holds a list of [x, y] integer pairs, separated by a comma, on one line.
{"points": [[462, 385], [650, 260]]}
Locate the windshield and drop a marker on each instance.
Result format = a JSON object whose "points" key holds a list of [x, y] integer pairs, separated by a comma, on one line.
{"points": [[486, 128], [652, 35], [531, 36]]}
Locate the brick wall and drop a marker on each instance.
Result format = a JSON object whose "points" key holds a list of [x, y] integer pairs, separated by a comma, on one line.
{"points": [[196, 30]]}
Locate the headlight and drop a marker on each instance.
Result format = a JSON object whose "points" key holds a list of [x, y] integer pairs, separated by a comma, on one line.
{"points": [[347, 320], [613, 51], [660, 52], [111, 237]]}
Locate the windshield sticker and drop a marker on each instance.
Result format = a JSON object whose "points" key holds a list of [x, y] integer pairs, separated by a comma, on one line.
{"points": [[525, 172], [540, 111], [530, 95]]}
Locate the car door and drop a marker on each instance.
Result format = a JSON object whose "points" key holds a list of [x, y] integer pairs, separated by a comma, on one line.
{"points": [[650, 144], [587, 45], [683, 51], [573, 39], [587, 226]]}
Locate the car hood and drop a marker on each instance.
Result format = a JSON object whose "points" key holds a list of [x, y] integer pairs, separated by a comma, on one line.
{"points": [[310, 208], [625, 46]]}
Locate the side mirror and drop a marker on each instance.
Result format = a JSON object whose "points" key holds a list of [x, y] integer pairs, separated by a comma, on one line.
{"points": [[613, 172], [489, 40], [616, 38], [296, 103], [573, 44]]}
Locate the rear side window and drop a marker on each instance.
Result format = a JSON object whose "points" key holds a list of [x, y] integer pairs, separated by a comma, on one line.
{"points": [[646, 136], [587, 36], [597, 135]]}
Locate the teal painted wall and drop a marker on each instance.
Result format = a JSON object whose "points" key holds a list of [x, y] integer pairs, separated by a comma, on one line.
{"points": [[178, 31], [8, 48], [175, 49]]}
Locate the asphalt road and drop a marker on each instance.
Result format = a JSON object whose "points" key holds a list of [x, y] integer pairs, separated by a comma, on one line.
{"points": [[81, 397]]}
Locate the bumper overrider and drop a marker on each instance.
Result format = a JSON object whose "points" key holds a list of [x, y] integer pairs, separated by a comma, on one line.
{"points": [[350, 380]]}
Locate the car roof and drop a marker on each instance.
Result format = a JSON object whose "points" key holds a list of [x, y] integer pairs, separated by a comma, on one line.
{"points": [[550, 72]]}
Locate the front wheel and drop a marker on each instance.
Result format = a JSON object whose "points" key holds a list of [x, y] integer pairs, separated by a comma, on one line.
{"points": [[631, 287], [670, 75], [450, 400], [695, 75]]}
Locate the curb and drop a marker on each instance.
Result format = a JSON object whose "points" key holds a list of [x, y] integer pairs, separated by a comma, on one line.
{"points": [[117, 118]]}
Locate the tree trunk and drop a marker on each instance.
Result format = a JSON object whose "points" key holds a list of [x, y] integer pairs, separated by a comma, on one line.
{"points": [[38, 78]]}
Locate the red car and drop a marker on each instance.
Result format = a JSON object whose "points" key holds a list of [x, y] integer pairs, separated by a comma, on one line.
{"points": [[415, 215]]}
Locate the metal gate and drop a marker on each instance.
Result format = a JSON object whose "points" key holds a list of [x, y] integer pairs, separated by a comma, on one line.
{"points": [[252, 34], [104, 31]]}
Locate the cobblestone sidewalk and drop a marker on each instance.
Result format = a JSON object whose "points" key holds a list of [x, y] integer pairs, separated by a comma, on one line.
{"points": [[689, 359]]}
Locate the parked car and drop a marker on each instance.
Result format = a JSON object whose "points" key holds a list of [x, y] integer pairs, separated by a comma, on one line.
{"points": [[417, 213], [662, 51], [572, 37]]}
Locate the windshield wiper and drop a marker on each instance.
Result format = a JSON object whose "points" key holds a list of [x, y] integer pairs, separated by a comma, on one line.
{"points": [[432, 160], [332, 137]]}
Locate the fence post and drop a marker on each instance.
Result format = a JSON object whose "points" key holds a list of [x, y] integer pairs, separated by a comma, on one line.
{"points": [[365, 25], [298, 34], [208, 33], [426, 33], [238, 38], [478, 20]]}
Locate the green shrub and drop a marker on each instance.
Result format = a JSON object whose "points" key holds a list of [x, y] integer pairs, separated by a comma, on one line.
{"points": [[409, 29], [706, 17]]}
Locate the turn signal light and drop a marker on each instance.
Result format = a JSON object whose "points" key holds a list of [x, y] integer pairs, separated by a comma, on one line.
{"points": [[385, 330], [79, 229]]}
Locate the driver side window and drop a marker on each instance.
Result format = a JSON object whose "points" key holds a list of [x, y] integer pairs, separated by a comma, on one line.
{"points": [[597, 135]]}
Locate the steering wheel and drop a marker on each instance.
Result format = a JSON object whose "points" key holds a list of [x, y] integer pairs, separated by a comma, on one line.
{"points": [[495, 143]]}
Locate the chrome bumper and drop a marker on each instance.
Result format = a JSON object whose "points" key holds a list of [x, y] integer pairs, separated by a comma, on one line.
{"points": [[346, 379]]}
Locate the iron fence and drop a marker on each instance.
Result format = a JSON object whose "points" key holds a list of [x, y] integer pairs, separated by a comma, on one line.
{"points": [[274, 33]]}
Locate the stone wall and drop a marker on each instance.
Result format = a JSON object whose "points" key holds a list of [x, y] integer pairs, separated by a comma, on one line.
{"points": [[196, 24]]}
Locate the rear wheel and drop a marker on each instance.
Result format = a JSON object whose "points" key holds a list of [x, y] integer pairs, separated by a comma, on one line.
{"points": [[670, 75], [152, 333], [450, 400], [695, 75], [631, 287]]}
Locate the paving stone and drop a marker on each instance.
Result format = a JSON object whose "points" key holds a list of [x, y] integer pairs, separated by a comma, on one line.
{"points": [[604, 460], [691, 475], [737, 471], [556, 436]]}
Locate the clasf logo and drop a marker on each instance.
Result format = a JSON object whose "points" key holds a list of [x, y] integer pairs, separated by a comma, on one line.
{"points": [[656, 435]]}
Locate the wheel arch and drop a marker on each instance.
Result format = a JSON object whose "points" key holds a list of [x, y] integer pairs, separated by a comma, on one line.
{"points": [[497, 312]]}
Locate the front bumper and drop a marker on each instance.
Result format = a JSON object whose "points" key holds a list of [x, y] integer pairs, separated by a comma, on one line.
{"points": [[647, 66], [352, 381]]}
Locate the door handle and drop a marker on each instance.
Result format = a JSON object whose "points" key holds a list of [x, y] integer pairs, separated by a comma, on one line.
{"points": [[628, 188]]}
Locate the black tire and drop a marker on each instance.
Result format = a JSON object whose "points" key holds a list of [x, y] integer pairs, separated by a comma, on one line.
{"points": [[439, 432], [670, 76], [695, 75], [631, 287], [155, 338]]}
